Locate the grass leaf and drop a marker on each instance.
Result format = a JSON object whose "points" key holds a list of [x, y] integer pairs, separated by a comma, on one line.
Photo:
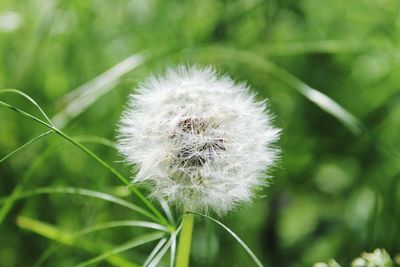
{"points": [[173, 252], [154, 251], [240, 241], [25, 145], [82, 97], [30, 99], [83, 192], [321, 100], [167, 210], [160, 254], [124, 247], [158, 257], [9, 201], [125, 223], [40, 159], [69, 239]]}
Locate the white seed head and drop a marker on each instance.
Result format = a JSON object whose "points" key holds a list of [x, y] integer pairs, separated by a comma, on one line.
{"points": [[203, 141]]}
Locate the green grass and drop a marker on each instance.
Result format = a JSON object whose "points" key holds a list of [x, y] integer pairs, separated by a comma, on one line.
{"points": [[330, 72]]}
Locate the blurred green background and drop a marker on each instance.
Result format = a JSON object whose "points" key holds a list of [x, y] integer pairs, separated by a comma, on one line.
{"points": [[336, 191]]}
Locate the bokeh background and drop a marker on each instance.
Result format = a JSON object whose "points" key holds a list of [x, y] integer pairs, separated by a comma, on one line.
{"points": [[336, 190]]}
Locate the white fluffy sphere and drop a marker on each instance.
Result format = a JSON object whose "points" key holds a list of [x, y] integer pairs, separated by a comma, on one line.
{"points": [[203, 141]]}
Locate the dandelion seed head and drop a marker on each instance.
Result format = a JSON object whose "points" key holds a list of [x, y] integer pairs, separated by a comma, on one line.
{"points": [[201, 139]]}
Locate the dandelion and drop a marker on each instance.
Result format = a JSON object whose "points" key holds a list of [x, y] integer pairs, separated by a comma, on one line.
{"points": [[201, 139]]}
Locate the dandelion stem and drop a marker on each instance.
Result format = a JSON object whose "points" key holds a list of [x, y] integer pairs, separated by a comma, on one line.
{"points": [[185, 241]]}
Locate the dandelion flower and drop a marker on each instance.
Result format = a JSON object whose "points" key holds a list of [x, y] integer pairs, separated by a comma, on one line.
{"points": [[199, 138]]}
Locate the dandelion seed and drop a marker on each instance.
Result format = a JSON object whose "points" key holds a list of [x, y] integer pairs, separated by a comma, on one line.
{"points": [[203, 141]]}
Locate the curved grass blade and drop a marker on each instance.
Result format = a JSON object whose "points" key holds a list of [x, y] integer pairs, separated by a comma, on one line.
{"points": [[25, 145], [100, 227], [158, 257], [124, 223], [105, 226], [9, 202], [156, 260], [45, 230], [77, 144], [82, 97], [173, 252], [154, 251], [167, 210], [30, 99], [40, 227], [83, 192], [321, 100], [66, 238], [94, 156], [240, 241], [128, 245]]}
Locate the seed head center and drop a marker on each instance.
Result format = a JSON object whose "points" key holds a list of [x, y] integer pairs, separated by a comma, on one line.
{"points": [[197, 142]]}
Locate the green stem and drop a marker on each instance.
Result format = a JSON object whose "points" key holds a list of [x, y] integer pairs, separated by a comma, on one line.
{"points": [[185, 241]]}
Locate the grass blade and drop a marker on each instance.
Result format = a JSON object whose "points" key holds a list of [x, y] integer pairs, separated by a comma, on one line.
{"points": [[83, 192], [156, 260], [10, 199], [25, 145], [173, 252], [30, 99], [321, 100], [69, 239], [81, 98], [45, 230], [126, 223], [167, 210], [158, 257], [95, 228], [240, 241], [124, 247], [9, 202], [154, 251]]}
